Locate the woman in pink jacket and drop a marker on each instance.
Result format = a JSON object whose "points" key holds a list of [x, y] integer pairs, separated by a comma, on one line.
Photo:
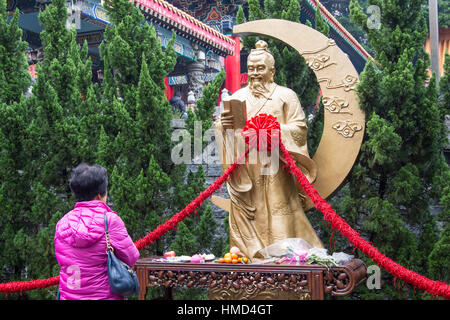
{"points": [[80, 245]]}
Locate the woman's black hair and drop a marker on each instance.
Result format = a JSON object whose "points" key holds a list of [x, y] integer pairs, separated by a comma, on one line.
{"points": [[87, 181]]}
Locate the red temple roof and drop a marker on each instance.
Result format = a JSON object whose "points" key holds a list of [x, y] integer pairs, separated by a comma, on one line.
{"points": [[167, 13]]}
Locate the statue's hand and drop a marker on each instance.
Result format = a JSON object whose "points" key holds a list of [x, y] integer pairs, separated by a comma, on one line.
{"points": [[226, 119]]}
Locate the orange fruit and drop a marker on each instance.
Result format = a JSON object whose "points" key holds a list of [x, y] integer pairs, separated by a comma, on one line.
{"points": [[234, 256], [222, 260], [227, 255], [245, 259], [235, 261], [227, 260]]}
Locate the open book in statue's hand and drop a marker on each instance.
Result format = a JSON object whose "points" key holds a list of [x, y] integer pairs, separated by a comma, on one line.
{"points": [[236, 108]]}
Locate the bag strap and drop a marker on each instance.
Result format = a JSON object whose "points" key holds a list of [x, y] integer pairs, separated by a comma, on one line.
{"points": [[106, 223], [108, 243]]}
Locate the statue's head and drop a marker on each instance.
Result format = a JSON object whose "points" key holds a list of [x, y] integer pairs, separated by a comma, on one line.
{"points": [[261, 69]]}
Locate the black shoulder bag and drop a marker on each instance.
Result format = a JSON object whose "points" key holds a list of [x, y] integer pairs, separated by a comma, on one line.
{"points": [[122, 279]]}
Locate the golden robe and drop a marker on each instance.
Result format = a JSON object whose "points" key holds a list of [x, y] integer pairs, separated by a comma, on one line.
{"points": [[269, 208]]}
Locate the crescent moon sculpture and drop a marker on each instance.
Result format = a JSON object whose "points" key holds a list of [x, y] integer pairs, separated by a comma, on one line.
{"points": [[344, 121]]}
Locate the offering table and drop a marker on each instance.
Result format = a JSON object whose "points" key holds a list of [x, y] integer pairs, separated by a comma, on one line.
{"points": [[252, 281]]}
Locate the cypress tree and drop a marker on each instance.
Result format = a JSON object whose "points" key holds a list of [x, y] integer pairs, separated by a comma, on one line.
{"points": [[184, 243], [14, 178], [14, 76], [444, 85], [14, 189], [14, 80], [439, 258], [135, 141], [444, 13], [64, 102], [205, 230]]}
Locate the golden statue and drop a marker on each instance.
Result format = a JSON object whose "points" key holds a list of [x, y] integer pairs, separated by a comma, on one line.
{"points": [[266, 207]]}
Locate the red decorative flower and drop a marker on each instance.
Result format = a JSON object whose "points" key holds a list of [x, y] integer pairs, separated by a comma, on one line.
{"points": [[262, 132]]}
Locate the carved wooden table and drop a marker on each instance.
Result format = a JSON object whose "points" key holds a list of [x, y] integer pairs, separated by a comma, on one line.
{"points": [[252, 281]]}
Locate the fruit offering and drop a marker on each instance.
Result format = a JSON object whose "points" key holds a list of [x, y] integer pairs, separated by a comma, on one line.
{"points": [[234, 256], [169, 254]]}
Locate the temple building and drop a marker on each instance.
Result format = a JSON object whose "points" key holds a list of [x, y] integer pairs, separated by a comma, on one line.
{"points": [[204, 43], [201, 50]]}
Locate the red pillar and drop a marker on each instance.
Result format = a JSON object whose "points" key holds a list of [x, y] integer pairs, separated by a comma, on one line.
{"points": [[169, 90], [233, 68]]}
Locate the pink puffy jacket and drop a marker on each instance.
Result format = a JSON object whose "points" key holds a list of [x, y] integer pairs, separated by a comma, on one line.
{"points": [[80, 249]]}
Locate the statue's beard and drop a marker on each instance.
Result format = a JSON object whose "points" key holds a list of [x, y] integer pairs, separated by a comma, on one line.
{"points": [[259, 87]]}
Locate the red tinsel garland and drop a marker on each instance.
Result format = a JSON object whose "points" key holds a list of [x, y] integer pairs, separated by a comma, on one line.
{"points": [[20, 286]]}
